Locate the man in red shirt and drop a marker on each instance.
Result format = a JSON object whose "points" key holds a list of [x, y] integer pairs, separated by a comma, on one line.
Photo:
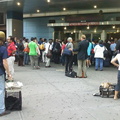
{"points": [[11, 48]]}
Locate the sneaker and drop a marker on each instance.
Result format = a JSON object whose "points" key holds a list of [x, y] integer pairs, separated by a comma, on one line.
{"points": [[5, 113]]}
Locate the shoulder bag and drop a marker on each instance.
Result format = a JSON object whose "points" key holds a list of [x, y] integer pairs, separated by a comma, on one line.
{"points": [[66, 51]]}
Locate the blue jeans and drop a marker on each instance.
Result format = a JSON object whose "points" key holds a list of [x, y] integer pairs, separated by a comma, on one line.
{"points": [[99, 63], [2, 94], [26, 58]]}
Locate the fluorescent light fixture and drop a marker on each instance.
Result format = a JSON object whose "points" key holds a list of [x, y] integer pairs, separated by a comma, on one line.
{"points": [[5, 0]]}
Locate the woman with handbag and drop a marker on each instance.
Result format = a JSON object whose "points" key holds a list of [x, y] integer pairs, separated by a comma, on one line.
{"points": [[68, 57]]}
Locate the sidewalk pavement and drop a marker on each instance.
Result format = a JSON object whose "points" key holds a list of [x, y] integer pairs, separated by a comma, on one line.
{"points": [[49, 95]]}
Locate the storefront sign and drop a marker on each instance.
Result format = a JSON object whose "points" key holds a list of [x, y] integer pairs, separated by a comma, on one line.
{"points": [[82, 24]]}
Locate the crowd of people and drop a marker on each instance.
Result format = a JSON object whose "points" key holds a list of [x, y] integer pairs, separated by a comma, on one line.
{"points": [[82, 53]]}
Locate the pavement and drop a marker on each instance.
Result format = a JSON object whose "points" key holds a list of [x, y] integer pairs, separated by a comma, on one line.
{"points": [[48, 94]]}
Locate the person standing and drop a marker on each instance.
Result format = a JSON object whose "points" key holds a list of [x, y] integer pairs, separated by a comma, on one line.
{"points": [[112, 47], [69, 58], [75, 45], [57, 51], [20, 48], [99, 49], [11, 48], [62, 55], [3, 67], [26, 52], [82, 56], [117, 64], [48, 48], [34, 53], [88, 62]]}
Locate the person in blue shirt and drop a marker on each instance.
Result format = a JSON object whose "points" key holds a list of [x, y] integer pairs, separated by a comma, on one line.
{"points": [[88, 62], [4, 69], [112, 47]]}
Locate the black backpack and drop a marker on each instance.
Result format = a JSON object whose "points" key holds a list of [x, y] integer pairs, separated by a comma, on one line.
{"points": [[71, 74]]}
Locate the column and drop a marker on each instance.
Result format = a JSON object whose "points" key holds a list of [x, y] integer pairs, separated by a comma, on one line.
{"points": [[103, 35], [59, 35], [79, 34], [91, 36], [76, 36], [14, 23]]}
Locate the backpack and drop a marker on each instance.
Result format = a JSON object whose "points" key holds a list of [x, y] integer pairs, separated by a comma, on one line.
{"points": [[72, 74], [27, 49], [42, 46]]}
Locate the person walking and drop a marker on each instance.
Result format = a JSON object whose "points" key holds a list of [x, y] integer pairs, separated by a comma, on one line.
{"points": [[82, 56], [3, 67], [34, 53]]}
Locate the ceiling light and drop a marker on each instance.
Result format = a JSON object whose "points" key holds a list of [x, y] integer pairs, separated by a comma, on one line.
{"points": [[95, 31], [113, 27], [65, 28], [102, 23], [48, 0], [18, 3], [118, 31], [88, 27], [38, 11], [64, 9], [95, 6], [74, 31]]}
